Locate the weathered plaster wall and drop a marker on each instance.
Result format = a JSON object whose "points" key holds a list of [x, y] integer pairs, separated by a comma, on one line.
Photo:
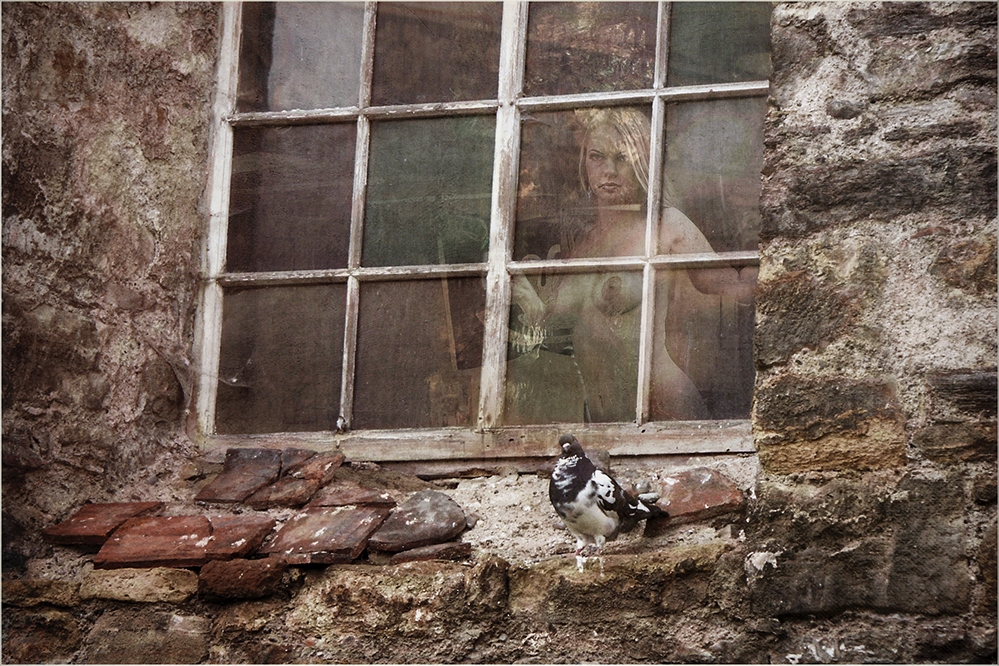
{"points": [[871, 534], [106, 110]]}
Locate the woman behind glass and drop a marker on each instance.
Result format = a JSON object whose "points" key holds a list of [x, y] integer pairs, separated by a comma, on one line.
{"points": [[603, 309]]}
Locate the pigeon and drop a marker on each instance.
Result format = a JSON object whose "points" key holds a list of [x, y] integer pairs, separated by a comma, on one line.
{"points": [[592, 505]]}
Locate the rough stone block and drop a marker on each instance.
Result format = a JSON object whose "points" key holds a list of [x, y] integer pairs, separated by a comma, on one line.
{"points": [[245, 471], [242, 579], [167, 541], [813, 424], [426, 518], [94, 523], [564, 589], [441, 551], [696, 494], [347, 496], [952, 443], [151, 637], [237, 536], [155, 585], [325, 535], [42, 636], [971, 392], [35, 591]]}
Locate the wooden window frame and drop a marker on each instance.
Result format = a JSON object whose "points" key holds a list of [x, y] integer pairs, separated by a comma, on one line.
{"points": [[488, 439]]}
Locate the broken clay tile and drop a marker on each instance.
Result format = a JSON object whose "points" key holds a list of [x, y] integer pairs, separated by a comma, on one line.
{"points": [[340, 496], [245, 471], [94, 523], [285, 492], [241, 579], [160, 541], [426, 518], [237, 536], [696, 494], [325, 535], [321, 467], [453, 550]]}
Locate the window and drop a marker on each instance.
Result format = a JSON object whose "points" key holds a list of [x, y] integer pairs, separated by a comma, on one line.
{"points": [[445, 230]]}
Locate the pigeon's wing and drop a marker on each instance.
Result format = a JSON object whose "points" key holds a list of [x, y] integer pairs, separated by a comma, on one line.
{"points": [[609, 494]]}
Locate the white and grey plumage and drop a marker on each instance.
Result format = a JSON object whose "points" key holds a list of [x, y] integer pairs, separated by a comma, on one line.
{"points": [[592, 505]]}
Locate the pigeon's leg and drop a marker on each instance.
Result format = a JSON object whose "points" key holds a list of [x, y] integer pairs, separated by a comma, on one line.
{"points": [[580, 545], [600, 539]]}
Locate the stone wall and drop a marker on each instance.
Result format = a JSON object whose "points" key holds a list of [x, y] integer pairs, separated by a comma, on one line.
{"points": [[870, 534]]}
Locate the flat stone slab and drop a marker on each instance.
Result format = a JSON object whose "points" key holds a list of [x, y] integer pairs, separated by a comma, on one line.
{"points": [[352, 495], [237, 536], [160, 541], [696, 494], [321, 467], [245, 471], [325, 535], [94, 523], [426, 518], [453, 550], [285, 492]]}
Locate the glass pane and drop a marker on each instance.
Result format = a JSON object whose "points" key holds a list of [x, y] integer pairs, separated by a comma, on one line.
{"points": [[583, 183], [719, 42], [714, 155], [590, 47], [281, 359], [708, 371], [574, 348], [436, 52], [289, 205], [429, 191], [419, 353], [300, 55]]}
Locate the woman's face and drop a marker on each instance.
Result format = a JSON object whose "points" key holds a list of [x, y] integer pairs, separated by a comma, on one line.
{"points": [[609, 172]]}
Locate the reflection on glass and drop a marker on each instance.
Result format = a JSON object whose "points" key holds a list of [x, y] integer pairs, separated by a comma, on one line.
{"points": [[714, 155], [577, 47], [574, 348], [436, 52], [300, 55], [281, 359], [583, 183], [419, 353], [705, 368], [289, 205], [429, 191], [719, 42]]}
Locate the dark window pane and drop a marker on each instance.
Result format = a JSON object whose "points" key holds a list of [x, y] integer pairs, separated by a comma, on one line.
{"points": [[702, 356], [583, 183], [281, 359], [574, 348], [419, 353], [436, 52], [590, 47], [429, 191], [719, 42], [714, 155], [300, 55], [289, 205]]}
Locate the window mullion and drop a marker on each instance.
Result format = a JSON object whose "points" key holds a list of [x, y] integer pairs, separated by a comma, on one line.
{"points": [[654, 207], [361, 147], [209, 321], [504, 200]]}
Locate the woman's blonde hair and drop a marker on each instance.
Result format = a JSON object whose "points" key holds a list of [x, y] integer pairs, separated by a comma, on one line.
{"points": [[633, 126]]}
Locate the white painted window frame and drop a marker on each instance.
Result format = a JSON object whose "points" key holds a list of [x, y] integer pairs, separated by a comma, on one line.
{"points": [[488, 439]]}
